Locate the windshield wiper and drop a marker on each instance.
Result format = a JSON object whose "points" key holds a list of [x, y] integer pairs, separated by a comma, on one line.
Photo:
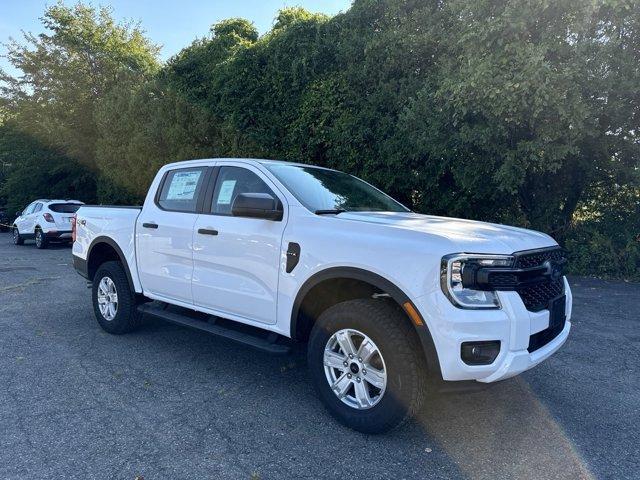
{"points": [[335, 211]]}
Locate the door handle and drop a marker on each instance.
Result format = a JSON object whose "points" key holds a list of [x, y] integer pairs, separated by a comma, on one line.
{"points": [[207, 231], [150, 225]]}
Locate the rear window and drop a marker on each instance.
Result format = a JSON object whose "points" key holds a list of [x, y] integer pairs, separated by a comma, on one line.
{"points": [[64, 207]]}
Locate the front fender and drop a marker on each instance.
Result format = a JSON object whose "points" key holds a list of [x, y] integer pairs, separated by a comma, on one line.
{"points": [[381, 283]]}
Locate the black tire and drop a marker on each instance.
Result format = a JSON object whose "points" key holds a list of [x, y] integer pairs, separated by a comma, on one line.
{"points": [[127, 317], [387, 326], [41, 239], [17, 238]]}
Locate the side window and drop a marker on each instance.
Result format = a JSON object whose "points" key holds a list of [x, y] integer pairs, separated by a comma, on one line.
{"points": [[180, 189], [29, 209], [38, 208], [231, 182]]}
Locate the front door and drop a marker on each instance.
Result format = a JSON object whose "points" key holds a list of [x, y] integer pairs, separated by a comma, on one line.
{"points": [[164, 232], [25, 222], [237, 259]]}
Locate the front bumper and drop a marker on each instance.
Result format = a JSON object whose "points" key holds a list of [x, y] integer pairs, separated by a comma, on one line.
{"points": [[512, 325]]}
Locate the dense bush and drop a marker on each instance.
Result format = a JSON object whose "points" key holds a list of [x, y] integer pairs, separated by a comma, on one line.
{"points": [[39, 172], [605, 236], [524, 113]]}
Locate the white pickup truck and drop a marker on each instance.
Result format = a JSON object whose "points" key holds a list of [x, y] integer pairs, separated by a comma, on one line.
{"points": [[266, 253]]}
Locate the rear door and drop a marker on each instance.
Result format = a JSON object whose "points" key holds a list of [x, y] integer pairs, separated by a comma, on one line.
{"points": [[164, 234], [237, 259], [29, 220]]}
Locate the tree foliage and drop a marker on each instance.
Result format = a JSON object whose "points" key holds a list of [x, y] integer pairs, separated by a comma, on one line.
{"points": [[518, 112], [36, 171], [65, 72]]}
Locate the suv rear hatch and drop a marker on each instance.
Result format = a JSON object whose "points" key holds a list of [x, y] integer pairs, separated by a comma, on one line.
{"points": [[63, 213]]}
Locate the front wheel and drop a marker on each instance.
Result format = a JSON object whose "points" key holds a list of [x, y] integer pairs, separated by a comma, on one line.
{"points": [[114, 302], [17, 238], [367, 365]]}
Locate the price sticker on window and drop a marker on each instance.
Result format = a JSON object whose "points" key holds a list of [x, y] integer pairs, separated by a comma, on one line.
{"points": [[226, 192]]}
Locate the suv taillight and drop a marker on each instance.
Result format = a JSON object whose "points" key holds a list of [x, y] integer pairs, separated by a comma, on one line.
{"points": [[74, 221], [49, 218]]}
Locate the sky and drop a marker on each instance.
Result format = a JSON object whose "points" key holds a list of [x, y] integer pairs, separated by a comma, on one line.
{"points": [[172, 23]]}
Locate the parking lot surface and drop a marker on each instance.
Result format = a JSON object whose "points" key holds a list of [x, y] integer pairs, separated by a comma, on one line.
{"points": [[168, 402]]}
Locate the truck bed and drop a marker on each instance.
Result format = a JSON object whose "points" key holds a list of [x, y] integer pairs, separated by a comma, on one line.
{"points": [[114, 223]]}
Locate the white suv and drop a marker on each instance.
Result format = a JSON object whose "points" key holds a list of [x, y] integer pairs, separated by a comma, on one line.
{"points": [[45, 221]]}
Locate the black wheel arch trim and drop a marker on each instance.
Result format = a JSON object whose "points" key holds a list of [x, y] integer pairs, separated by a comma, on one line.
{"points": [[112, 243], [426, 340]]}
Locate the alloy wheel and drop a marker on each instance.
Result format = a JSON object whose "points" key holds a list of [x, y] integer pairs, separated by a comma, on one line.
{"points": [[355, 369], [107, 298]]}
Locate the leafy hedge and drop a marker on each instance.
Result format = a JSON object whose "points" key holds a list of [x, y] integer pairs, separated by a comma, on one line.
{"points": [[517, 112]]}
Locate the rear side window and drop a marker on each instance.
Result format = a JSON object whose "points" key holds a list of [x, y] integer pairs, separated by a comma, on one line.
{"points": [[64, 207], [180, 189]]}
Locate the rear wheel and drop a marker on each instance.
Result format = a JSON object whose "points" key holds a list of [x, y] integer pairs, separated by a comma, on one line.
{"points": [[41, 239], [114, 303], [17, 238], [366, 365]]}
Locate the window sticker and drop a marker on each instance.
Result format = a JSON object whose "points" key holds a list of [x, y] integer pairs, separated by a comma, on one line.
{"points": [[183, 185], [226, 192]]}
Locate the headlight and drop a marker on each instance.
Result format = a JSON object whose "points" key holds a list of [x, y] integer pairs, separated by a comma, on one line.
{"points": [[452, 279]]}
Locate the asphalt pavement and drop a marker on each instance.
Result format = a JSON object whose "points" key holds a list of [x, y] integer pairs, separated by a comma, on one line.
{"points": [[170, 403]]}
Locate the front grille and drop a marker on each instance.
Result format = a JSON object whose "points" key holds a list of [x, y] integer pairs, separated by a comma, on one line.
{"points": [[538, 257], [536, 297]]}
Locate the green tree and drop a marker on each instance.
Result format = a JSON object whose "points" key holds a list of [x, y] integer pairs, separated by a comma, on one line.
{"points": [[168, 117], [63, 72], [531, 105], [37, 171]]}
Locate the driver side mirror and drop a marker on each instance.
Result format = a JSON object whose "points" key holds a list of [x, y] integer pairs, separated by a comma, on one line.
{"points": [[18, 214], [257, 205]]}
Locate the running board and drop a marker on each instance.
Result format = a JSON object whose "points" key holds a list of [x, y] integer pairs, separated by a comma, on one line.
{"points": [[266, 343]]}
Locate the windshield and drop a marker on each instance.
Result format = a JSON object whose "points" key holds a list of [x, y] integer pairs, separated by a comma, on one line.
{"points": [[322, 190], [64, 207]]}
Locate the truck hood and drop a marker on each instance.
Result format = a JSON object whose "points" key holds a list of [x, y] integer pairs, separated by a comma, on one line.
{"points": [[468, 236]]}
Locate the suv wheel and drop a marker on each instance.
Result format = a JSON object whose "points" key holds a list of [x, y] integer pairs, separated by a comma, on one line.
{"points": [[367, 365], [41, 239], [114, 303], [17, 239]]}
